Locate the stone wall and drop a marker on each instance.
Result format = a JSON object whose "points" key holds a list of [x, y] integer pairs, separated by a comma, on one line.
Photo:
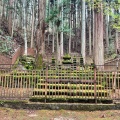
{"points": [[16, 55], [58, 106], [30, 51], [112, 65], [5, 59]]}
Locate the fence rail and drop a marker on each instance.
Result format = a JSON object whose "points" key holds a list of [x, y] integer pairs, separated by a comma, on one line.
{"points": [[61, 82]]}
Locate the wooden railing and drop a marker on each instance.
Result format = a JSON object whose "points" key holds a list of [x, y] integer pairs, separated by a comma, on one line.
{"points": [[63, 82]]}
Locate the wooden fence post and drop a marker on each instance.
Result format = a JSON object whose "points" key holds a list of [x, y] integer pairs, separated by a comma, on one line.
{"points": [[95, 88], [46, 78]]}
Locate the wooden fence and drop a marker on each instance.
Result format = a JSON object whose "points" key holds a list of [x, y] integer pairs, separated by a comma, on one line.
{"points": [[60, 82]]}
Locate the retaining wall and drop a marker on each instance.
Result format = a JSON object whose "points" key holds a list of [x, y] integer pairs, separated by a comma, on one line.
{"points": [[59, 106], [6, 59]]}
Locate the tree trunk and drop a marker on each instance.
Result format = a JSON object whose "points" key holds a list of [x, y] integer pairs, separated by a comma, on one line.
{"points": [[83, 33], [42, 7], [77, 14], [3, 8], [33, 19], [13, 25], [10, 17], [58, 48], [24, 26], [98, 37], [70, 31], [53, 41], [89, 24], [70, 37], [61, 43], [116, 41], [93, 27], [40, 44], [107, 34]]}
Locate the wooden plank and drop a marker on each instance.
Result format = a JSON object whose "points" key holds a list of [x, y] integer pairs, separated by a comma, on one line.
{"points": [[69, 80]]}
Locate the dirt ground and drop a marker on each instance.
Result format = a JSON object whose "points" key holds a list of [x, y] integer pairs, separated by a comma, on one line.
{"points": [[13, 114]]}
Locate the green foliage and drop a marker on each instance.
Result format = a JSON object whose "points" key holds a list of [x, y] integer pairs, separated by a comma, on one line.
{"points": [[53, 15], [67, 59], [6, 46], [68, 100], [113, 55], [1, 31], [111, 49], [67, 62], [110, 7], [67, 56], [74, 60], [27, 62], [0, 84], [15, 64], [81, 61], [53, 60], [39, 62]]}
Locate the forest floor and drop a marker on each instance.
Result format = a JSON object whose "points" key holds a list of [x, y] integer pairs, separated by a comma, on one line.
{"points": [[13, 114]]}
